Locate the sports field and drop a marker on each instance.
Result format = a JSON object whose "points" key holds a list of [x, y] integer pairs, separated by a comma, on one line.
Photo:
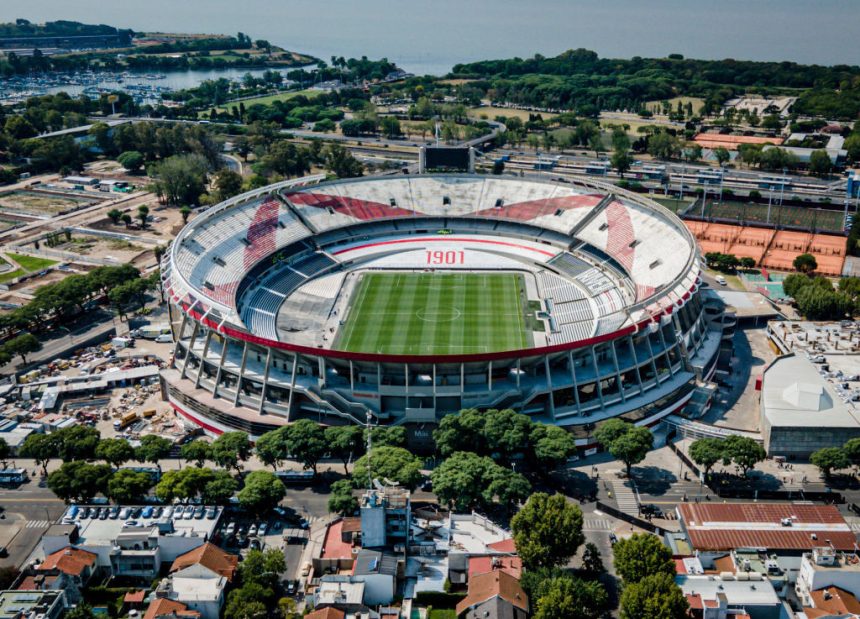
{"points": [[741, 212], [435, 314]]}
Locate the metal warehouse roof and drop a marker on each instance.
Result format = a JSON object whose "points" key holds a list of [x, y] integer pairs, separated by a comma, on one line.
{"points": [[724, 526]]}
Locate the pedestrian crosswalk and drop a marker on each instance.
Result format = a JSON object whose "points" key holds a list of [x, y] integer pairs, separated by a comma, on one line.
{"points": [[596, 524], [625, 496], [37, 524]]}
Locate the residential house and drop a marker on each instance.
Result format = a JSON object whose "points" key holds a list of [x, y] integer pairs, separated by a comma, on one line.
{"points": [[494, 594]]}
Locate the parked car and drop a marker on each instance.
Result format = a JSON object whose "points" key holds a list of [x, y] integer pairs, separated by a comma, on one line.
{"points": [[114, 512], [104, 512], [252, 531], [177, 512], [231, 528], [262, 529], [199, 512], [168, 511], [211, 512], [146, 512]]}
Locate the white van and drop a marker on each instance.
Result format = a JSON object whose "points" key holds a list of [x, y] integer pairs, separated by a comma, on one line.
{"points": [[719, 278], [164, 338]]}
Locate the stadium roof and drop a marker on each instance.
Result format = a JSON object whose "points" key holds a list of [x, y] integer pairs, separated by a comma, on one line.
{"points": [[775, 526]]}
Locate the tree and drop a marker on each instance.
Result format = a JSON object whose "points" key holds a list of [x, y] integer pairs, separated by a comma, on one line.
{"points": [[654, 597], [388, 436], [5, 451], [185, 213], [262, 567], [829, 459], [153, 448], [621, 161], [341, 163], [693, 152], [23, 345], [592, 563], [306, 442], [625, 442], [75, 443], [640, 555], [345, 443], [181, 179], [131, 160], [852, 451], [805, 263], [664, 146], [262, 492], [114, 215], [569, 597], [390, 127], [126, 219], [81, 610], [197, 451], [610, 430], [115, 451], [547, 531], [271, 447], [820, 163], [185, 483], [142, 214], [706, 452], [220, 488], [341, 500], [127, 486], [745, 452], [79, 481], [231, 449], [250, 601], [468, 481], [39, 447], [722, 155], [552, 446], [388, 463], [227, 183], [747, 262]]}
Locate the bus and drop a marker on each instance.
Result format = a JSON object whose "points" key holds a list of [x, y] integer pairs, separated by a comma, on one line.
{"points": [[295, 476], [12, 477], [597, 168], [708, 177]]}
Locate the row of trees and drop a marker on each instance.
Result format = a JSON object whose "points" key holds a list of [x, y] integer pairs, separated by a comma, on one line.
{"points": [[727, 263], [742, 451], [68, 298], [829, 459], [817, 299]]}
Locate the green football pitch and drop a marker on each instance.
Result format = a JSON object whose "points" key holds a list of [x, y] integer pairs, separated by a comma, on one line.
{"points": [[435, 314]]}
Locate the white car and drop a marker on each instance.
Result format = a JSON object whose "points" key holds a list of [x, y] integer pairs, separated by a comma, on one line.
{"points": [[168, 512], [252, 531], [124, 513], [178, 511], [231, 528], [263, 529]]}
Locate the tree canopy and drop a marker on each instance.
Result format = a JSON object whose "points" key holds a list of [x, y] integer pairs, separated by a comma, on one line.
{"points": [[547, 531]]}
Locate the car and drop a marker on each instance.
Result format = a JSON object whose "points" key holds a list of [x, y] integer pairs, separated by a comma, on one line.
{"points": [[83, 513], [613, 539], [124, 513], [211, 512], [104, 512], [189, 513], [231, 528], [156, 511], [114, 512], [130, 523], [177, 512], [168, 511], [262, 529], [199, 512], [253, 530], [721, 280], [291, 587], [256, 544], [304, 524], [146, 512]]}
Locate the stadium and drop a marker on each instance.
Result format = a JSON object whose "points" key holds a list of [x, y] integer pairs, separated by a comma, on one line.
{"points": [[399, 299]]}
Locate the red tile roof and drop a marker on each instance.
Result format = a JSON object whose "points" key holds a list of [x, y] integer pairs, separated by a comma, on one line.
{"points": [[134, 597], [835, 601], [482, 565], [69, 560], [161, 607], [209, 556], [30, 583], [333, 546], [506, 545], [329, 612], [483, 587], [724, 526]]}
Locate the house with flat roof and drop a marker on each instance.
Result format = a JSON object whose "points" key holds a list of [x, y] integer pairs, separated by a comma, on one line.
{"points": [[801, 412], [379, 572], [785, 527], [825, 567], [44, 604], [725, 597], [202, 593]]}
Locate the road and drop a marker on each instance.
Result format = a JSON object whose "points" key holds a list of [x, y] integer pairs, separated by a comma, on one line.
{"points": [[29, 511]]}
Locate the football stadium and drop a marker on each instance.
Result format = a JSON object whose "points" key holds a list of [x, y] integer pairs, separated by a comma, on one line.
{"points": [[400, 299]]}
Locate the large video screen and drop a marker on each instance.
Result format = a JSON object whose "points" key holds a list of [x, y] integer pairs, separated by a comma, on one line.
{"points": [[442, 158]]}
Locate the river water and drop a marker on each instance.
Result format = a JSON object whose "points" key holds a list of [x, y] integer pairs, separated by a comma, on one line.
{"points": [[433, 35]]}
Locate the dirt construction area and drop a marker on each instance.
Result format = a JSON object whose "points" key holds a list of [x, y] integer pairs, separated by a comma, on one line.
{"points": [[41, 203]]}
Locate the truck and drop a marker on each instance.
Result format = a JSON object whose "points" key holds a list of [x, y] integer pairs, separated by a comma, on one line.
{"points": [[152, 331], [122, 342], [125, 421]]}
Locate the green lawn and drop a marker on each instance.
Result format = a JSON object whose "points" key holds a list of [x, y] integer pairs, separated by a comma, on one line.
{"points": [[268, 99], [8, 276], [30, 263], [442, 613], [435, 314]]}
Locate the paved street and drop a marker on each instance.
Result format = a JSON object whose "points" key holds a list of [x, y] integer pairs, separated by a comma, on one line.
{"points": [[29, 511]]}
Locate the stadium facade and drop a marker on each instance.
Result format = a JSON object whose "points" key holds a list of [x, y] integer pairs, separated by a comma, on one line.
{"points": [[261, 288]]}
